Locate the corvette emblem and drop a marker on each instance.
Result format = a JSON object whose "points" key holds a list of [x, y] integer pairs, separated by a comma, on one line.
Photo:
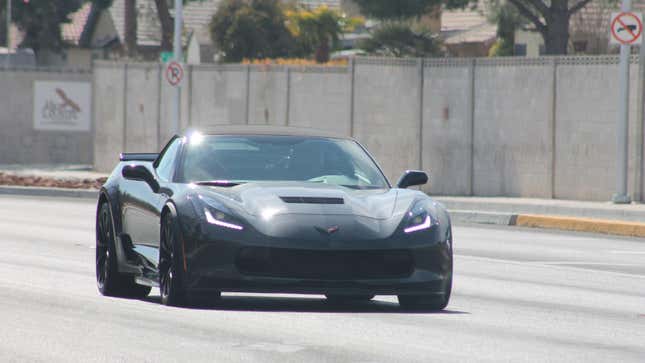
{"points": [[327, 231]]}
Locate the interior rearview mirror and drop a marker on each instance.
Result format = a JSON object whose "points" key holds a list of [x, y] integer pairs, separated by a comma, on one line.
{"points": [[412, 178], [140, 173]]}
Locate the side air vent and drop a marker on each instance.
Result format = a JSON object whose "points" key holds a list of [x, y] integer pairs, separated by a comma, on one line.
{"points": [[312, 200]]}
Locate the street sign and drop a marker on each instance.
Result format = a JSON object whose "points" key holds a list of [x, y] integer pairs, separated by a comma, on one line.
{"points": [[174, 73], [166, 56], [626, 28]]}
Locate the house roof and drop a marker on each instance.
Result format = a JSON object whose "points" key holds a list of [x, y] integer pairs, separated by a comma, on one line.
{"points": [[466, 26], [197, 17]]}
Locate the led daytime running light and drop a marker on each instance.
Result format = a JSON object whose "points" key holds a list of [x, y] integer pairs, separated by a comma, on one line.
{"points": [[425, 225], [212, 220]]}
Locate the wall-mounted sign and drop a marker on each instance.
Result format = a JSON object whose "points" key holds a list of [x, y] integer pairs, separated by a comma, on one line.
{"points": [[62, 106]]}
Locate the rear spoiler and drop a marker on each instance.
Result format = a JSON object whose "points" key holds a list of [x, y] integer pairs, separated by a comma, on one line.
{"points": [[138, 156]]}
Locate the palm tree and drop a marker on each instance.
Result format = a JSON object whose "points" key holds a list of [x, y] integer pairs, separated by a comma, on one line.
{"points": [[318, 30]]}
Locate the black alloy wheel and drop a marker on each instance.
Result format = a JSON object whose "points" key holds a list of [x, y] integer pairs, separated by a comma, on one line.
{"points": [[108, 279], [170, 267]]}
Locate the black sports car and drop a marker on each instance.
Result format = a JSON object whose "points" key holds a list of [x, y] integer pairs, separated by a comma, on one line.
{"points": [[269, 210]]}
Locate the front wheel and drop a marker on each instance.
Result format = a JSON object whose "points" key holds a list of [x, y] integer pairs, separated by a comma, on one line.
{"points": [[170, 266]]}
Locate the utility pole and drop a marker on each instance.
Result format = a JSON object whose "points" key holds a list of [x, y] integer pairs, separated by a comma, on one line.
{"points": [[177, 50], [622, 128], [6, 60]]}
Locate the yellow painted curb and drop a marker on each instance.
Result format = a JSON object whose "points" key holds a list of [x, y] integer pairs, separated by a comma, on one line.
{"points": [[621, 228]]}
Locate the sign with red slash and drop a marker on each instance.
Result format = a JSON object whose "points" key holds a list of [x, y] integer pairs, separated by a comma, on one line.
{"points": [[174, 73], [626, 28]]}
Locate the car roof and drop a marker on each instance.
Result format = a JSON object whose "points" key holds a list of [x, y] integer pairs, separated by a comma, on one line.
{"points": [[264, 130]]}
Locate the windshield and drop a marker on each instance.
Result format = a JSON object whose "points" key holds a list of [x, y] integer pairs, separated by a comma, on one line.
{"points": [[251, 158]]}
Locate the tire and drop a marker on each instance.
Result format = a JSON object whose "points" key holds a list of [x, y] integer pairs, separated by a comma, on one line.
{"points": [[427, 302], [343, 299], [108, 279], [170, 264], [431, 302]]}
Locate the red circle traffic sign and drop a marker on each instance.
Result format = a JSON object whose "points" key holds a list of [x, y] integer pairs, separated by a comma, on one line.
{"points": [[174, 73], [626, 22]]}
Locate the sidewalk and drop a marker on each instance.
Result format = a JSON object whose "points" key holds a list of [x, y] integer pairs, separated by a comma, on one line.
{"points": [[63, 171], [79, 181], [597, 217]]}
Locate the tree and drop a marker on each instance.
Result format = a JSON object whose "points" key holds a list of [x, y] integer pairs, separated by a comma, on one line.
{"points": [[167, 25], [508, 20], [398, 39], [40, 21], [399, 34], [131, 28], [317, 31], [551, 19], [251, 29]]}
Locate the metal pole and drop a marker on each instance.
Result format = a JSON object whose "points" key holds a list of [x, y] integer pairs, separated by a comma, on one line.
{"points": [[622, 129], [640, 146], [178, 58], [6, 60]]}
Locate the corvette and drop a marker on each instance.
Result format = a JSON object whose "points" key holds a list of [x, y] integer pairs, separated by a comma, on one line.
{"points": [[270, 210]]}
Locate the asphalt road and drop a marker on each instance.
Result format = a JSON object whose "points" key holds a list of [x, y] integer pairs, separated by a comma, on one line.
{"points": [[519, 295]]}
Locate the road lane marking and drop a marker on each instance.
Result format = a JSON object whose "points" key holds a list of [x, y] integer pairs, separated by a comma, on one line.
{"points": [[542, 264], [565, 263], [618, 252]]}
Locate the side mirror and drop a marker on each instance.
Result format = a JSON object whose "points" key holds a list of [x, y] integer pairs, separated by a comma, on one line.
{"points": [[412, 178], [140, 173]]}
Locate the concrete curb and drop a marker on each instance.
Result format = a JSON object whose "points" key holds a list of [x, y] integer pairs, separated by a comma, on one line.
{"points": [[604, 226], [564, 223], [49, 192], [470, 216]]}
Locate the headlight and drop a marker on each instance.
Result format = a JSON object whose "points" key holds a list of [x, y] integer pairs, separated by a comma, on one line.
{"points": [[417, 219], [216, 214]]}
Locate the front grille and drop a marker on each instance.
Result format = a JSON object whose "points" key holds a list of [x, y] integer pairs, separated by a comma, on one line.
{"points": [[312, 200], [326, 265]]}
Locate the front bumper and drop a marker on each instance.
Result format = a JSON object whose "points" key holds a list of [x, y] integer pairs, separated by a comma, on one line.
{"points": [[363, 267]]}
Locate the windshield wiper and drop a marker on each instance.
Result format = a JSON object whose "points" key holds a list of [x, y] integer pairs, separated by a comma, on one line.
{"points": [[219, 183]]}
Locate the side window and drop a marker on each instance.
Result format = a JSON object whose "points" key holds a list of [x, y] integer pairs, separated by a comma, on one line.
{"points": [[166, 165]]}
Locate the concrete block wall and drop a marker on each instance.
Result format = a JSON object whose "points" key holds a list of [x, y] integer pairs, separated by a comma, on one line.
{"points": [[268, 96], [142, 111], [20, 143], [512, 128], [586, 116], [447, 126], [320, 99], [218, 95], [517, 127], [387, 112]]}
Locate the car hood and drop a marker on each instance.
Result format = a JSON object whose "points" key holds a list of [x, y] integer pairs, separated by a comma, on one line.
{"points": [[268, 199]]}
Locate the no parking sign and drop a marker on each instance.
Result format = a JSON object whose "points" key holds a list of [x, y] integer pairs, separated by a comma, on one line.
{"points": [[174, 73]]}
